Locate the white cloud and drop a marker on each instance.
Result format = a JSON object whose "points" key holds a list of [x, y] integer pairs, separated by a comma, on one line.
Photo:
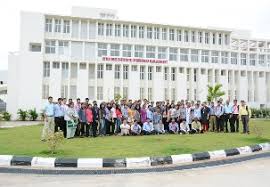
{"points": [[242, 14]]}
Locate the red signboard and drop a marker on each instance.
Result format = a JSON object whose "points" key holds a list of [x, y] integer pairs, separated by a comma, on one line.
{"points": [[138, 60]]}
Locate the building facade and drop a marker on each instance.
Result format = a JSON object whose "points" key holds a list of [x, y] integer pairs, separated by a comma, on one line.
{"points": [[94, 54]]}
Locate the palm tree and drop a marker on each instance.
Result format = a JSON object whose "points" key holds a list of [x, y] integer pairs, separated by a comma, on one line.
{"points": [[214, 92]]}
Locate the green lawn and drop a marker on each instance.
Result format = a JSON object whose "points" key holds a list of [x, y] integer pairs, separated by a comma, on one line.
{"points": [[26, 141]]}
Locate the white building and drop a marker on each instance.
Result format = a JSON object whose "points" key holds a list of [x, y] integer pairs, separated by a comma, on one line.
{"points": [[92, 53]]}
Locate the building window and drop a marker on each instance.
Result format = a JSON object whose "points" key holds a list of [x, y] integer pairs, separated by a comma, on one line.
{"points": [[65, 70], [117, 30], [73, 70], [233, 58], [48, 25], [173, 54], [252, 59], [220, 39], [149, 32], [206, 38], [179, 35], [188, 95], [57, 25], [64, 91], [223, 73], [35, 47], [166, 69], [133, 33], [193, 36], [126, 31], [181, 70], [82, 66], [173, 71], [56, 65], [139, 51], [186, 36], [126, 50], [99, 93], [142, 72], [108, 67], [243, 59], [73, 92], [134, 68], [203, 71], [171, 34], [109, 29], [150, 73], [63, 48], [173, 94], [91, 71], [102, 49], [166, 93], [100, 71], [195, 75], [158, 69], [125, 92], [142, 96], [66, 26], [156, 33], [195, 94], [150, 94], [194, 55], [116, 91], [162, 53], [50, 46], [91, 92], [141, 31], [125, 72], [164, 34], [214, 38], [262, 60], [100, 29], [83, 30], [226, 39], [150, 52], [224, 57], [188, 75], [115, 49], [205, 56], [184, 55], [200, 37], [117, 70], [214, 56], [46, 69], [45, 91]]}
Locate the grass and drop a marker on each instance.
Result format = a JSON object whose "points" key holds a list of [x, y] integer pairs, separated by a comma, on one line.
{"points": [[26, 141]]}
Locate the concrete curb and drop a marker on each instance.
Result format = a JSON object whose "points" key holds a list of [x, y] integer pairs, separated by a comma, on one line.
{"points": [[122, 163]]}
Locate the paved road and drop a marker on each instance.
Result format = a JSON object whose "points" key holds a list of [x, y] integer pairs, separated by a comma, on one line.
{"points": [[246, 174]]}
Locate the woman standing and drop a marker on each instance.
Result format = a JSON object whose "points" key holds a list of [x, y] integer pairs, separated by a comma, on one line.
{"points": [[102, 115], [71, 118], [143, 114], [89, 119]]}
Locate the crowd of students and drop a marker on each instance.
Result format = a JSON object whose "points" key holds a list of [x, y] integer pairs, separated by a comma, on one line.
{"points": [[141, 117]]}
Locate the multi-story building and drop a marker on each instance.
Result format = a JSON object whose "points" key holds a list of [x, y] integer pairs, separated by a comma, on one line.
{"points": [[94, 54]]}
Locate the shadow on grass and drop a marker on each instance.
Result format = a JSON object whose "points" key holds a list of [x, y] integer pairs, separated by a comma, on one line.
{"points": [[48, 153]]}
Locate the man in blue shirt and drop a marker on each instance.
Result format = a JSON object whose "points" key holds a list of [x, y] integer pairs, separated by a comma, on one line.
{"points": [[59, 113], [227, 114], [219, 116], [49, 119]]}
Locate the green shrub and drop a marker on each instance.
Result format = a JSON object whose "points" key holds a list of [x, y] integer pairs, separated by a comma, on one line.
{"points": [[33, 115], [54, 140], [23, 114], [6, 116]]}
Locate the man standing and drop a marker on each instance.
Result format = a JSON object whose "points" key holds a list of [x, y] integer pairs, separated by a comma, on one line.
{"points": [[95, 111], [219, 113], [245, 114], [49, 119], [227, 115], [205, 116], [235, 116], [212, 117], [59, 121]]}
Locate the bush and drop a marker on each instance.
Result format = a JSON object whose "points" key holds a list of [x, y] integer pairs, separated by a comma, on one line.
{"points": [[6, 116], [54, 140], [33, 115], [23, 114], [260, 113]]}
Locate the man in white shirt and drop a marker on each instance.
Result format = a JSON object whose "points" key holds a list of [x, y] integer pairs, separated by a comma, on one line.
{"points": [[136, 129], [148, 127], [124, 128]]}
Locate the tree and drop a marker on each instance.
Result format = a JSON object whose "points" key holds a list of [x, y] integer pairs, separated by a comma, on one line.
{"points": [[214, 92], [117, 98]]}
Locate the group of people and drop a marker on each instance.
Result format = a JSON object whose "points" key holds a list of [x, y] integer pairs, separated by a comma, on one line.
{"points": [[141, 117]]}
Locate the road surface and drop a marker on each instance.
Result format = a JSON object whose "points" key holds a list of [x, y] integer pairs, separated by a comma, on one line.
{"points": [[245, 174]]}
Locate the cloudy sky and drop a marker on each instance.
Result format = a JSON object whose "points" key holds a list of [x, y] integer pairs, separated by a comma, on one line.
{"points": [[241, 14]]}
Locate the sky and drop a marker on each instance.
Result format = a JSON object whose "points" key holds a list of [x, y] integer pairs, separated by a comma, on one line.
{"points": [[239, 14]]}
